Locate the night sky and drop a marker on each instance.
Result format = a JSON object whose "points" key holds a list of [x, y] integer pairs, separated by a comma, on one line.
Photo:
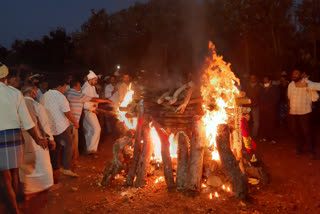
{"points": [[31, 19]]}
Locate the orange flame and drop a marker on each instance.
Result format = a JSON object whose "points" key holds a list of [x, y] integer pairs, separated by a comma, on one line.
{"points": [[131, 123], [218, 92], [158, 180], [210, 196], [216, 195], [157, 144]]}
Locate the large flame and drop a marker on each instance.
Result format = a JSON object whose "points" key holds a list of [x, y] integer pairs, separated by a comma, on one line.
{"points": [[218, 91], [131, 123], [157, 144]]}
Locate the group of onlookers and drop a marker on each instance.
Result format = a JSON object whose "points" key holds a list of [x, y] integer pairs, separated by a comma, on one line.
{"points": [[39, 128], [275, 104]]}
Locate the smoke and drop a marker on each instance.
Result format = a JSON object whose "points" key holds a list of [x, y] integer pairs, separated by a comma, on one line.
{"points": [[193, 16]]}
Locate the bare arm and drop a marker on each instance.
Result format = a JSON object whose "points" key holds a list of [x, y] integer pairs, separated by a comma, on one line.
{"points": [[98, 100], [70, 116], [34, 134]]}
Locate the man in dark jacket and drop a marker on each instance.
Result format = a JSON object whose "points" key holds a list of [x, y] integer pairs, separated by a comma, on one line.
{"points": [[269, 99], [253, 92]]}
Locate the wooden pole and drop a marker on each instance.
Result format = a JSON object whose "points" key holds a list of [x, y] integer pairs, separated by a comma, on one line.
{"points": [[195, 165], [183, 157], [144, 159], [237, 178], [137, 146], [166, 158]]}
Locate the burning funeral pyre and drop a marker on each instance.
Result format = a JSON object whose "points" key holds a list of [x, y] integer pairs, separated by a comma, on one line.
{"points": [[199, 150]]}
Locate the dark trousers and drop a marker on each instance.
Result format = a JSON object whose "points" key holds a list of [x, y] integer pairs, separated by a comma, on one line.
{"points": [[267, 123], [300, 126], [64, 139]]}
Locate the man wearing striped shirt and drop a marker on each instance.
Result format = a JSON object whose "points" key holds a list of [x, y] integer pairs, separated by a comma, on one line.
{"points": [[77, 99]]}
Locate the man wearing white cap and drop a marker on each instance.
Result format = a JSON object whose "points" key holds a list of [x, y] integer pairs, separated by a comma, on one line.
{"points": [[91, 124]]}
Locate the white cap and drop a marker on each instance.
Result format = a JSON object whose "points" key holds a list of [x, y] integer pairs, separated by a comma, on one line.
{"points": [[91, 75], [4, 71]]}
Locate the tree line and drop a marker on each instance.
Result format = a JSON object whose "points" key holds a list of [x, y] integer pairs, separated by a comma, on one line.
{"points": [[165, 36]]}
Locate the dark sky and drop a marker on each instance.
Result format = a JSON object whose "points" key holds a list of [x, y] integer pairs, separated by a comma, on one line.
{"points": [[31, 19]]}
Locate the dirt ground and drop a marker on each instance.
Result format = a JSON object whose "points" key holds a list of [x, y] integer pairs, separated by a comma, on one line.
{"points": [[294, 188]]}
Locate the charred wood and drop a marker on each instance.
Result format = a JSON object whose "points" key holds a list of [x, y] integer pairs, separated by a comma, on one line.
{"points": [[137, 147], [144, 159], [183, 157], [237, 179], [195, 164]]}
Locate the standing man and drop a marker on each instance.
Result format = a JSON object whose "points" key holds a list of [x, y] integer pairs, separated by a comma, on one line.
{"points": [[36, 172], [91, 124], [124, 87], [13, 111], [269, 99], [77, 99], [60, 118], [253, 91], [43, 87], [300, 101], [111, 90]]}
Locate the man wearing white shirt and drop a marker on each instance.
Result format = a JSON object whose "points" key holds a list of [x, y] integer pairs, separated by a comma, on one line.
{"points": [[36, 172], [13, 113], [300, 101], [91, 124], [111, 91], [60, 118]]}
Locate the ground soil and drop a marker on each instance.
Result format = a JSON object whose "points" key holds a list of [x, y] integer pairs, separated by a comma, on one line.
{"points": [[294, 188]]}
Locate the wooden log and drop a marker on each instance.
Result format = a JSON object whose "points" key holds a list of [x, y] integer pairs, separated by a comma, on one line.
{"points": [[166, 158], [183, 157], [137, 147], [236, 177], [117, 163], [195, 164], [144, 159]]}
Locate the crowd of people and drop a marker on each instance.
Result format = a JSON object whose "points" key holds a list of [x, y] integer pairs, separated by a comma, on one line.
{"points": [[39, 128], [287, 102], [41, 120]]}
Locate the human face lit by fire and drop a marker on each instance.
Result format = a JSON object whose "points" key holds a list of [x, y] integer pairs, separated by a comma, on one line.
{"points": [[296, 76], [253, 79], [33, 93], [113, 80], [126, 79], [93, 81]]}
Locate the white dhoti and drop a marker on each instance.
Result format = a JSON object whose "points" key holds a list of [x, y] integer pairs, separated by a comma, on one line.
{"points": [[92, 131], [36, 171]]}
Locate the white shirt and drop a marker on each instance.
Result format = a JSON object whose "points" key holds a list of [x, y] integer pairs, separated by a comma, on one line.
{"points": [[300, 99], [13, 109], [313, 85], [90, 91], [108, 93], [56, 104], [39, 117], [39, 95]]}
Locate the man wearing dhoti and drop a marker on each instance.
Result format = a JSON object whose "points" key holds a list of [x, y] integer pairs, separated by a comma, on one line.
{"points": [[13, 113], [36, 171], [91, 124]]}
